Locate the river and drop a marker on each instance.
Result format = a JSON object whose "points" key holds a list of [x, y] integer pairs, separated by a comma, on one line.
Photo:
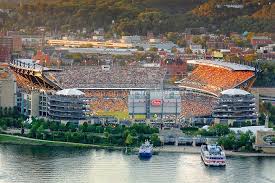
{"points": [[32, 164]]}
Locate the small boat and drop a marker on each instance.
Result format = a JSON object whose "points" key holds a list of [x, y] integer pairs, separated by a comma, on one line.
{"points": [[146, 150], [213, 155]]}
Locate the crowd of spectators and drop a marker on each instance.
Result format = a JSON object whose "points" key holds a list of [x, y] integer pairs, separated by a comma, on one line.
{"points": [[115, 77], [107, 100], [215, 79], [194, 105]]}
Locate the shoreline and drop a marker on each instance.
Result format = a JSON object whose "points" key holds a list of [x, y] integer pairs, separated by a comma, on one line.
{"points": [[196, 150], [19, 140]]}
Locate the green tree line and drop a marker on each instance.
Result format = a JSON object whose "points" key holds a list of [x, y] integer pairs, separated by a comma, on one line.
{"points": [[128, 17]]}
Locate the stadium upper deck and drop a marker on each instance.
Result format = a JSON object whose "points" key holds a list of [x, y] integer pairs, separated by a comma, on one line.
{"points": [[88, 77], [94, 77], [213, 77], [30, 75], [226, 65]]}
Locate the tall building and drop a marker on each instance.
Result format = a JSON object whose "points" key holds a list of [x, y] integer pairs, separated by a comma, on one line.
{"points": [[235, 107], [6, 47], [28, 103], [67, 106], [7, 89], [64, 106], [17, 43], [176, 67]]}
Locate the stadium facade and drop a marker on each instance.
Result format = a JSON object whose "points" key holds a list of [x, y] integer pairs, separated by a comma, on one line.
{"points": [[131, 90], [67, 105], [7, 88], [154, 104], [235, 108]]}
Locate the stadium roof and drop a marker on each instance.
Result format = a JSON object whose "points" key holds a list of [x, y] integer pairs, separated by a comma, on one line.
{"points": [[110, 88], [70, 92], [30, 64], [234, 92], [228, 65]]}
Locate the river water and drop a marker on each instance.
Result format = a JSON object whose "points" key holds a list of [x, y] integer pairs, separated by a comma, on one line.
{"points": [[53, 165]]}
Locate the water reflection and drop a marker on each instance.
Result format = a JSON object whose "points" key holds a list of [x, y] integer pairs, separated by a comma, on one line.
{"points": [[44, 164]]}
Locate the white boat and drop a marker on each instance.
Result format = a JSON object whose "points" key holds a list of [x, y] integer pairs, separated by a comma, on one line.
{"points": [[146, 150], [213, 155]]}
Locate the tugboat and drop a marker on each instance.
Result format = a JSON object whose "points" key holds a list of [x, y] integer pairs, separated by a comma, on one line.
{"points": [[146, 150], [213, 155]]}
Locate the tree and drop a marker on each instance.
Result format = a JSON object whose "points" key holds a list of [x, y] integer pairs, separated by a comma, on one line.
{"points": [[107, 136], [99, 129], [153, 49], [129, 140], [68, 136], [139, 48], [155, 139], [220, 129], [172, 36], [181, 42], [40, 131], [196, 39], [174, 50], [250, 57], [188, 51], [228, 142], [84, 127]]}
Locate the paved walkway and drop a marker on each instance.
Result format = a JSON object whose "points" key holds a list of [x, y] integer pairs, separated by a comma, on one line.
{"points": [[196, 150]]}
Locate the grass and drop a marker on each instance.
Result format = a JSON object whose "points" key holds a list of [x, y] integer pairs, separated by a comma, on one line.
{"points": [[18, 140], [119, 115]]}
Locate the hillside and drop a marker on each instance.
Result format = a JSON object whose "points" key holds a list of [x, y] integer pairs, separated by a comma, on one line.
{"points": [[267, 12], [218, 8], [127, 17]]}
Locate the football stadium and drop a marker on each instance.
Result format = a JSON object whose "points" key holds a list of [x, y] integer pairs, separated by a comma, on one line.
{"points": [[108, 90]]}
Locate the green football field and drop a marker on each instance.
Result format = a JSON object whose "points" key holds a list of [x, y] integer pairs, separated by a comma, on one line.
{"points": [[119, 115]]}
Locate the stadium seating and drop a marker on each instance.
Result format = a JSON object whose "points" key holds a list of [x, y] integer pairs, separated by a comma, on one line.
{"points": [[116, 77], [197, 104], [107, 100], [215, 79]]}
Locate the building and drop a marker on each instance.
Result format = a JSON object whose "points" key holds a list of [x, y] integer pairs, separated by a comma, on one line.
{"points": [[197, 49], [32, 103], [32, 40], [166, 46], [41, 58], [266, 95], [130, 39], [16, 43], [6, 47], [235, 6], [64, 106], [67, 106], [235, 107], [98, 38], [7, 89], [260, 40], [215, 44], [265, 141], [176, 67], [155, 104]]}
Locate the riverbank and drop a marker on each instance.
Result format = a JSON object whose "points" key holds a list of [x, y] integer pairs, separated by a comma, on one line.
{"points": [[18, 140], [196, 150]]}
